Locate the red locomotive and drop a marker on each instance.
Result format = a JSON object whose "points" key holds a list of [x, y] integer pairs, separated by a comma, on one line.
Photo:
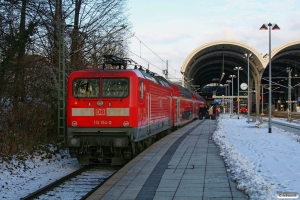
{"points": [[112, 115]]}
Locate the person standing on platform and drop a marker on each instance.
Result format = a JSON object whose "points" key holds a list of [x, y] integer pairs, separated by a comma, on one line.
{"points": [[204, 112], [210, 112], [200, 113]]}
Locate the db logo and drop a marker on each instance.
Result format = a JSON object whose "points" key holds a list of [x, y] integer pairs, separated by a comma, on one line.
{"points": [[74, 123], [100, 111]]}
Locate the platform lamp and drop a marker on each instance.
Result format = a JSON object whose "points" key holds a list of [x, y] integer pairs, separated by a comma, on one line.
{"points": [[229, 81], [225, 95], [232, 76], [273, 27], [238, 96]]}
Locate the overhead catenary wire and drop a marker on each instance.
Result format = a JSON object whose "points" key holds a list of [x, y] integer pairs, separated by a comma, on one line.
{"points": [[140, 56], [147, 61]]}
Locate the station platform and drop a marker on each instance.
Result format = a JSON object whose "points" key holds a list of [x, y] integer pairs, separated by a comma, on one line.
{"points": [[183, 165]]}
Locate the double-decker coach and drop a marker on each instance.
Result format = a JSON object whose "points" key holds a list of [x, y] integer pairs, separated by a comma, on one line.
{"points": [[183, 106]]}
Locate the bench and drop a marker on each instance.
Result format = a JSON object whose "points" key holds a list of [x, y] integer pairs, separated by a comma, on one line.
{"points": [[261, 122]]}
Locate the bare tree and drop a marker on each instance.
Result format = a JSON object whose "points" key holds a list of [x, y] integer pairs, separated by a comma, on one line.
{"points": [[97, 26], [29, 58]]}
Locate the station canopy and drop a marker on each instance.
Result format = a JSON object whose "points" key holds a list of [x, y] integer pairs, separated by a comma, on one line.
{"points": [[207, 68]]}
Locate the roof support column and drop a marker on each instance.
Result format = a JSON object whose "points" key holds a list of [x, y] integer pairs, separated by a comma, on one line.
{"points": [[257, 89]]}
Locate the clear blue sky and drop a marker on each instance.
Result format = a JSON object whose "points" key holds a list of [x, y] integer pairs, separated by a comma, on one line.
{"points": [[174, 28]]}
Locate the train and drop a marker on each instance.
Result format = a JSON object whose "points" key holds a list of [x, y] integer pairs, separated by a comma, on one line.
{"points": [[114, 114]]}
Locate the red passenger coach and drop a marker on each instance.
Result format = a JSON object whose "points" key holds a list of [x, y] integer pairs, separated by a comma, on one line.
{"points": [[114, 114], [183, 105]]}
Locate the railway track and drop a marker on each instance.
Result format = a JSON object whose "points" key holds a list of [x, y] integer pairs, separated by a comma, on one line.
{"points": [[295, 115], [289, 127], [77, 185]]}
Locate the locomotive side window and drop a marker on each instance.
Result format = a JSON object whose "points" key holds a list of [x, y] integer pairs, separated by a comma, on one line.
{"points": [[115, 87], [141, 89], [86, 87]]}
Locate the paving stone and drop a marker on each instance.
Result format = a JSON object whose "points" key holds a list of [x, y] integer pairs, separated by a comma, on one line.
{"points": [[190, 192], [218, 194], [217, 198], [216, 189], [238, 194], [164, 195], [217, 184], [169, 183]]}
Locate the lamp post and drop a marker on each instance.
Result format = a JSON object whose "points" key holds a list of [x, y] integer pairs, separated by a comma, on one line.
{"points": [[289, 70], [248, 55], [262, 99], [225, 95], [273, 27], [229, 81], [232, 76], [238, 96]]}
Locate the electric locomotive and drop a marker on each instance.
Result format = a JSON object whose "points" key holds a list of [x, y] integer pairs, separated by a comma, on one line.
{"points": [[112, 115]]}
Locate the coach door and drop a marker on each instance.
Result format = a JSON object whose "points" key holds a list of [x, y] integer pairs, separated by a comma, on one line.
{"points": [[171, 115], [178, 110], [149, 112]]}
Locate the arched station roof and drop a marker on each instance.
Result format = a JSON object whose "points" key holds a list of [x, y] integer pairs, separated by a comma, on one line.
{"points": [[207, 63], [286, 55]]}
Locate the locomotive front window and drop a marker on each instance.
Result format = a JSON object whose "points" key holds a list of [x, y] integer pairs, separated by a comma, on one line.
{"points": [[86, 87], [115, 87]]}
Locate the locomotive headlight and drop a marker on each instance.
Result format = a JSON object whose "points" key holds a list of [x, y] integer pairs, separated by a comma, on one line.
{"points": [[99, 103], [126, 123], [74, 142], [118, 142]]}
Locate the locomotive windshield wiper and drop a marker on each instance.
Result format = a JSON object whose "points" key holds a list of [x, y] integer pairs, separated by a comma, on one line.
{"points": [[123, 93]]}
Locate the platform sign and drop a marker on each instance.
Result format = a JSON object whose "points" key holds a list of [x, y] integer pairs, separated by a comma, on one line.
{"points": [[217, 100]]}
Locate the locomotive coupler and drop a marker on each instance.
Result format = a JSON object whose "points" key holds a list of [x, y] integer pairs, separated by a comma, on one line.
{"points": [[99, 149]]}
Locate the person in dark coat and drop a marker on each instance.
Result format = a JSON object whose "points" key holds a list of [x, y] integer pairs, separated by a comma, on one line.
{"points": [[201, 113], [205, 113]]}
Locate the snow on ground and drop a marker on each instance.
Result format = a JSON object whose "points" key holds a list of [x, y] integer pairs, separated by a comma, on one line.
{"points": [[18, 178], [262, 163]]}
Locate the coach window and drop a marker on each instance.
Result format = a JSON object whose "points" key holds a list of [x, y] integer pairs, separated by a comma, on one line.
{"points": [[86, 87], [115, 87], [141, 89]]}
